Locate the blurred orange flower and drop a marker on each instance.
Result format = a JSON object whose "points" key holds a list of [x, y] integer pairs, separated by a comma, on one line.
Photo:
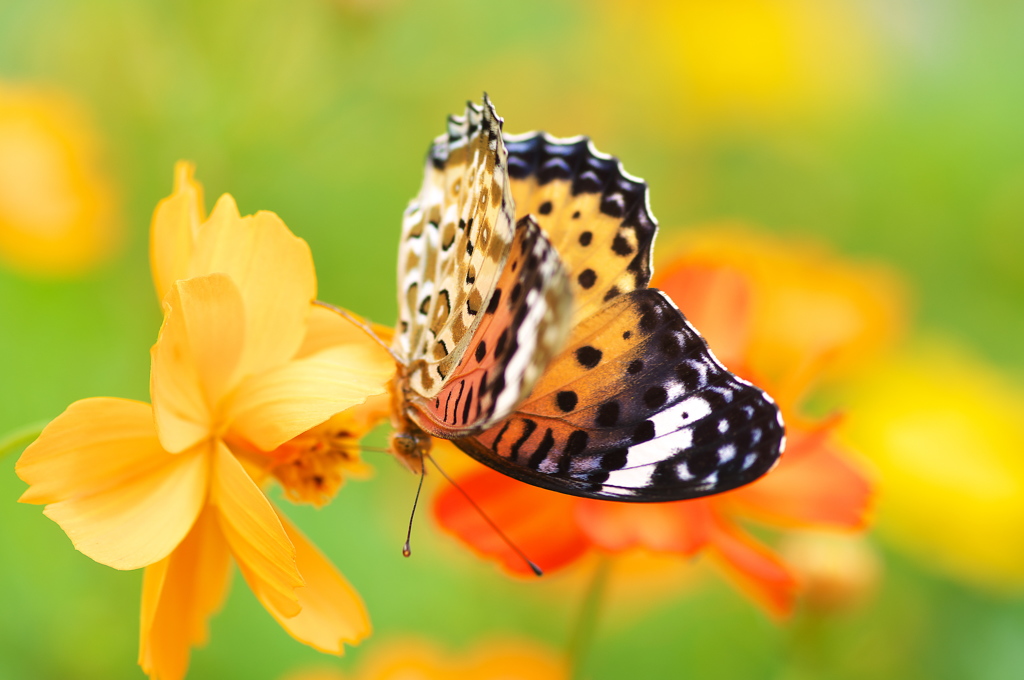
{"points": [[56, 205], [412, 659], [720, 282], [174, 487]]}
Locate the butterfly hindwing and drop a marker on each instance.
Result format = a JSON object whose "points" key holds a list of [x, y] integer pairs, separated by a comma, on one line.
{"points": [[640, 410], [456, 236], [520, 331]]}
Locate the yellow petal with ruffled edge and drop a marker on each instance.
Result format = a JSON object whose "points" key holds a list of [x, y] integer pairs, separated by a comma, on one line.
{"points": [[121, 499], [252, 528], [274, 271], [179, 594], [271, 408], [333, 614], [173, 230], [195, 358]]}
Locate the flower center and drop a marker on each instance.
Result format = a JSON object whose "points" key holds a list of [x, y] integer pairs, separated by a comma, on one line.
{"points": [[314, 465]]}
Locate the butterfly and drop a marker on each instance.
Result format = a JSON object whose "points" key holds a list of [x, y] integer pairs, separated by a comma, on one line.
{"points": [[527, 334]]}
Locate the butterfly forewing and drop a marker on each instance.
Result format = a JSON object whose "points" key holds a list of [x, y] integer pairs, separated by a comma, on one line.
{"points": [[521, 329], [456, 236]]}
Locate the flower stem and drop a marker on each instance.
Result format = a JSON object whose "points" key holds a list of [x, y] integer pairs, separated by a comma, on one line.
{"points": [[19, 438], [587, 619]]}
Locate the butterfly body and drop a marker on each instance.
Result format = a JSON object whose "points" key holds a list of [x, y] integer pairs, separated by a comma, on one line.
{"points": [[540, 350]]}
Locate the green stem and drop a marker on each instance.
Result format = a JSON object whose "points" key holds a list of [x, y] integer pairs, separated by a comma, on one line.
{"points": [[586, 620], [19, 438]]}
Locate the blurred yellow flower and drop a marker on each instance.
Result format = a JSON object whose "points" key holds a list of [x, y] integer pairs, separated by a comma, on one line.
{"points": [[749, 60], [237, 372], [414, 659], [946, 431], [56, 206]]}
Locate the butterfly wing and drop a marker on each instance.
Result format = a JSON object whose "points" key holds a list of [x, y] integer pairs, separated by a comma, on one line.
{"points": [[523, 327], [484, 304], [456, 237], [636, 408], [596, 215]]}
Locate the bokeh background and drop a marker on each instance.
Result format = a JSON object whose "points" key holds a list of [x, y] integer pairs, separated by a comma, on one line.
{"points": [[886, 133]]}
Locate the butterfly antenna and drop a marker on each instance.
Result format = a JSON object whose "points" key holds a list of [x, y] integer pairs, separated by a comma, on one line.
{"points": [[406, 549], [515, 548], [360, 322]]}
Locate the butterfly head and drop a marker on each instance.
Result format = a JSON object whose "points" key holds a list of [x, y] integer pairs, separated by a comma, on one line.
{"points": [[408, 442], [410, 447]]}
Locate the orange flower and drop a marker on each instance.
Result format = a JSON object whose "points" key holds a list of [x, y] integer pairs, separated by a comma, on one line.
{"points": [[413, 659], [238, 371], [56, 212], [816, 485]]}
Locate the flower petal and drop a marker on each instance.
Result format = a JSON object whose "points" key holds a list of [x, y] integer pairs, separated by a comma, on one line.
{"points": [[173, 230], [274, 272], [121, 499], [94, 445], [333, 614], [179, 594], [680, 527], [823, 489], [265, 554], [327, 328], [270, 408], [756, 570], [194, 358], [533, 519]]}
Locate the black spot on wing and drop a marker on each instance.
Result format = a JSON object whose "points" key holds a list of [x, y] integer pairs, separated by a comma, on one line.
{"points": [[588, 356], [543, 449], [492, 307]]}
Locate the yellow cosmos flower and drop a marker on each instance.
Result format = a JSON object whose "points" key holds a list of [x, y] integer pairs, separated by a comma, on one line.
{"points": [[751, 60], [56, 213], [242, 366], [946, 431]]}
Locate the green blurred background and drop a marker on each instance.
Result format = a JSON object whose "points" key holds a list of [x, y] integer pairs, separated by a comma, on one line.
{"points": [[888, 129]]}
